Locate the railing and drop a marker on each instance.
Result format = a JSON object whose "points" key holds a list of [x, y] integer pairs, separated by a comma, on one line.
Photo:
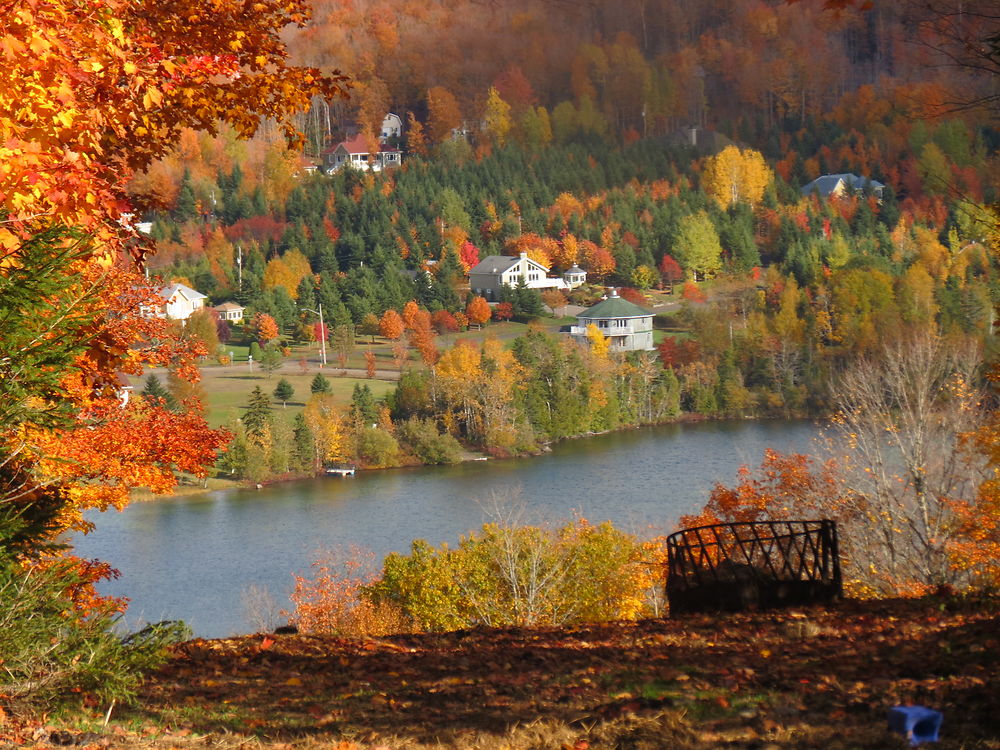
{"points": [[759, 564]]}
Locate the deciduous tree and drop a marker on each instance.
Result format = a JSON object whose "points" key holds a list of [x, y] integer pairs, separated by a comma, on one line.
{"points": [[391, 325], [478, 311], [736, 175], [264, 328]]}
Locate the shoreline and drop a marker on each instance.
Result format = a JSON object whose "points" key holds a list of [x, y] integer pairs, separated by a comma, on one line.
{"points": [[213, 484]]}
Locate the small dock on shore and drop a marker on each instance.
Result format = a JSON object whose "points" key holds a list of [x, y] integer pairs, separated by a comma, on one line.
{"points": [[341, 471]]}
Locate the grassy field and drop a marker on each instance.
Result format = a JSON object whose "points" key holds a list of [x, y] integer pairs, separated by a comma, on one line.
{"points": [[227, 388], [228, 392]]}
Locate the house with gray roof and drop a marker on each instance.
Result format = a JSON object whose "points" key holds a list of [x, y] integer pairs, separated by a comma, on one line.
{"points": [[839, 184], [179, 302], [629, 326], [493, 272]]}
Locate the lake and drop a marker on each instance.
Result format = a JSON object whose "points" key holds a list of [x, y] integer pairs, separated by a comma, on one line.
{"points": [[196, 558]]}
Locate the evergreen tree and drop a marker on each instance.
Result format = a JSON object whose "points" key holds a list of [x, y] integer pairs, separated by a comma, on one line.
{"points": [[234, 460], [303, 444], [363, 407], [284, 392], [186, 207], [320, 384], [527, 302], [257, 418], [155, 389]]}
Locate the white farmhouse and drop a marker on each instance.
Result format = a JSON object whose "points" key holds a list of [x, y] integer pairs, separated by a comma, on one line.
{"points": [[355, 153], [179, 302], [489, 276], [629, 326], [838, 185]]}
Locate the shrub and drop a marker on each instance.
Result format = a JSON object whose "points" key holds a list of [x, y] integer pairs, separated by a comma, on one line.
{"points": [[428, 444], [377, 448], [519, 575], [331, 602], [52, 648]]}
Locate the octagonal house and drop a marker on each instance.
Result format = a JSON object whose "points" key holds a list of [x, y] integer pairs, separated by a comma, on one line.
{"points": [[629, 326]]}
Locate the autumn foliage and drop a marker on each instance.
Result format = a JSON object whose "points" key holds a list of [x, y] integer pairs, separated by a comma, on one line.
{"points": [[90, 92]]}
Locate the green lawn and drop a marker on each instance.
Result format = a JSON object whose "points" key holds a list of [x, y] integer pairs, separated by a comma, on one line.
{"points": [[228, 393], [228, 388]]}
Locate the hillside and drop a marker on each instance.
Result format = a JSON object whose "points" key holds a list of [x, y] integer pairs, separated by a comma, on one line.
{"points": [[810, 678]]}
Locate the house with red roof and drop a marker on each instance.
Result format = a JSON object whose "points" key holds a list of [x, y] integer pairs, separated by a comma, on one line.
{"points": [[355, 153]]}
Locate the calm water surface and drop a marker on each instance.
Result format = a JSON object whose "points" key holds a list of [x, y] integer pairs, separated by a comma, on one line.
{"points": [[194, 558]]}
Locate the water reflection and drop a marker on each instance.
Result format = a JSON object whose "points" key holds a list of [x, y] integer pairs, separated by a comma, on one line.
{"points": [[191, 558]]}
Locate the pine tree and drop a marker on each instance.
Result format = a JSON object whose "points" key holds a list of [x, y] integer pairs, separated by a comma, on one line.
{"points": [[303, 444], [319, 384], [271, 360], [284, 392], [258, 415], [155, 389], [363, 407], [186, 207]]}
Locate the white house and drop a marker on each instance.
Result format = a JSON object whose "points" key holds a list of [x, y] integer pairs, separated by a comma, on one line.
{"points": [[230, 311], [629, 326], [355, 153], [488, 276], [838, 184], [179, 302], [392, 127]]}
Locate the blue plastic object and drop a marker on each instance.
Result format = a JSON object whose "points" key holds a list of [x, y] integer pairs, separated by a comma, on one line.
{"points": [[918, 723]]}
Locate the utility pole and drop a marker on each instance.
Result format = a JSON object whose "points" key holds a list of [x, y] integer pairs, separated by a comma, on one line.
{"points": [[239, 264], [322, 334], [322, 331]]}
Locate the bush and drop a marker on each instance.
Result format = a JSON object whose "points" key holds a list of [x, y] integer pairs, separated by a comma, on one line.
{"points": [[377, 448], [519, 575], [331, 602], [429, 445], [52, 648]]}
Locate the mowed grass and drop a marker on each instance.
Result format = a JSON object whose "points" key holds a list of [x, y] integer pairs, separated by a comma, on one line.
{"points": [[228, 392], [227, 388]]}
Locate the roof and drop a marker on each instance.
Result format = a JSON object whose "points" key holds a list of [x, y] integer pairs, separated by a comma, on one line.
{"points": [[359, 144], [827, 183], [228, 306], [615, 307], [170, 290], [495, 264]]}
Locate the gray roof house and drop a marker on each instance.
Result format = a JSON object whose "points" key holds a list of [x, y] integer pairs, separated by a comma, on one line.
{"points": [[629, 326], [179, 302], [489, 275], [838, 184]]}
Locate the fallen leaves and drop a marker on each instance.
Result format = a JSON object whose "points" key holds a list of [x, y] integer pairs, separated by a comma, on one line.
{"points": [[699, 682]]}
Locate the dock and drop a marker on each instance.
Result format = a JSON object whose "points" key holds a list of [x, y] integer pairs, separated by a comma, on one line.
{"points": [[341, 471]]}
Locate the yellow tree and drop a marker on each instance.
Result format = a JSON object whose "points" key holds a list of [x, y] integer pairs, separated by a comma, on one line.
{"points": [[599, 343], [416, 141], [736, 175], [327, 426], [496, 118]]}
